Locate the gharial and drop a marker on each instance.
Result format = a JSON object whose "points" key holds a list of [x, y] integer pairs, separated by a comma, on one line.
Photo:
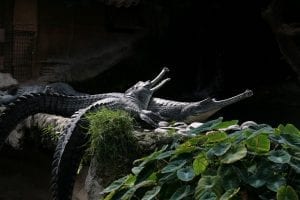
{"points": [[137, 100]]}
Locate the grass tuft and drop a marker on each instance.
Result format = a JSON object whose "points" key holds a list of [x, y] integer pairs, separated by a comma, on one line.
{"points": [[112, 137]]}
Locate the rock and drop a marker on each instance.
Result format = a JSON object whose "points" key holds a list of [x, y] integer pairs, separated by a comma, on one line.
{"points": [[194, 125], [182, 132], [248, 124], [6, 81], [232, 128], [93, 183], [40, 121], [5, 99], [160, 130], [163, 124], [179, 124], [166, 129], [15, 136], [79, 191]]}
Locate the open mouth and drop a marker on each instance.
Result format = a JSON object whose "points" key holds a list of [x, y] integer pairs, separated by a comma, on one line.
{"points": [[156, 83]]}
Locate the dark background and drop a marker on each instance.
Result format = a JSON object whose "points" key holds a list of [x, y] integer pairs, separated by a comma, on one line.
{"points": [[218, 49]]}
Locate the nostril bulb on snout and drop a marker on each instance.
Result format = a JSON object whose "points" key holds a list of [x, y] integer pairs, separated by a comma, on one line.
{"points": [[166, 69]]}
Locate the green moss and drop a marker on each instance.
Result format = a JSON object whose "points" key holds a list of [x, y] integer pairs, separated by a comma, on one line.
{"points": [[112, 137], [112, 142], [49, 134]]}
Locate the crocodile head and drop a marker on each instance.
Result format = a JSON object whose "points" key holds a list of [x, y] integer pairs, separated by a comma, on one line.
{"points": [[201, 110], [142, 91]]}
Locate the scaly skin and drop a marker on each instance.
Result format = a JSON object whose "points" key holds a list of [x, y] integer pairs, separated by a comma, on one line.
{"points": [[34, 103], [137, 100], [72, 143], [30, 104], [65, 106]]}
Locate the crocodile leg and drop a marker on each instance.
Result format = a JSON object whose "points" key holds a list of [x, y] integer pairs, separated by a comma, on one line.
{"points": [[150, 117]]}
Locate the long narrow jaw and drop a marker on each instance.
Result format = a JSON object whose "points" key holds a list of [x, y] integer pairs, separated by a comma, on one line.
{"points": [[221, 103], [207, 107], [155, 84]]}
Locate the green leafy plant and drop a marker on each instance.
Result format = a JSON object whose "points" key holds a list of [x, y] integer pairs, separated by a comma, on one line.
{"points": [[258, 162]]}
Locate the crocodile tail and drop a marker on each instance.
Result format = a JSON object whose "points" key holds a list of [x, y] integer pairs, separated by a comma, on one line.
{"points": [[17, 111], [31, 104], [68, 154]]}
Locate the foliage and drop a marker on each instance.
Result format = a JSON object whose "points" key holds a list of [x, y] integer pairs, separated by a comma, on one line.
{"points": [[111, 135], [49, 133], [258, 162]]}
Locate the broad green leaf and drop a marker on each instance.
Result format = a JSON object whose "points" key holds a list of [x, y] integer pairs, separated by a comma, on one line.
{"points": [[276, 138], [286, 193], [152, 177], [266, 130], [207, 126], [186, 174], [275, 182], [181, 193], [289, 129], [210, 184], [226, 124], [239, 136], [229, 194], [279, 156], [295, 164], [291, 140], [197, 140], [151, 194], [230, 179], [173, 166], [216, 136], [110, 195], [256, 181], [130, 181], [206, 195], [262, 174], [129, 194], [185, 148], [116, 184], [280, 128], [200, 163], [207, 182], [236, 153], [167, 177], [220, 149], [146, 172], [165, 155], [151, 157], [259, 144], [137, 170], [252, 169]]}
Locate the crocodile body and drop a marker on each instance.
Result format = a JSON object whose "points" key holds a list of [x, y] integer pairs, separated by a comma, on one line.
{"points": [[137, 100], [72, 145], [59, 87]]}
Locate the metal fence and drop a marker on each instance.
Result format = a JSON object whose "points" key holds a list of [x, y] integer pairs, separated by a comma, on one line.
{"points": [[18, 54]]}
